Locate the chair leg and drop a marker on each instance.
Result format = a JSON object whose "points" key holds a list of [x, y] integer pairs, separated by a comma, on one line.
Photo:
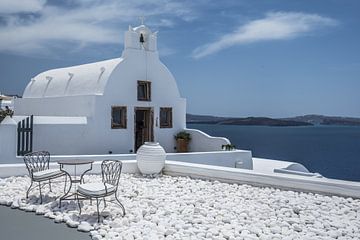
{"points": [[66, 194], [97, 207], [27, 192], [40, 193], [65, 183], [120, 204], [78, 200], [50, 185]]}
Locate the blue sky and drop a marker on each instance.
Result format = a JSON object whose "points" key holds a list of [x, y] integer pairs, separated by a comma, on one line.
{"points": [[230, 58]]}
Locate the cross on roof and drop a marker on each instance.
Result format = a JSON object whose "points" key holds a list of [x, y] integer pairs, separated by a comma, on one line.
{"points": [[142, 18]]}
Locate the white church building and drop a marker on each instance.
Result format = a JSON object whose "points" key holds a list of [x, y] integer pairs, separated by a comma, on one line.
{"points": [[110, 106]]}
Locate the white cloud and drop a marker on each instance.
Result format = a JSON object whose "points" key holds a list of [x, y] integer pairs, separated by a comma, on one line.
{"points": [[166, 23], [85, 23], [275, 26], [55, 25], [166, 51], [21, 6]]}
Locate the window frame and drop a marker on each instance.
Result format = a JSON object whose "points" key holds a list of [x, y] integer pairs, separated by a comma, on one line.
{"points": [[123, 117], [169, 124], [147, 90]]}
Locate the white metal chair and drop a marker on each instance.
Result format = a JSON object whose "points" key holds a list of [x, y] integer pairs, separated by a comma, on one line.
{"points": [[37, 163], [110, 171]]}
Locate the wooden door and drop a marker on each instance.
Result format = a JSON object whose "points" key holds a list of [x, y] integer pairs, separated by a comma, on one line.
{"points": [[143, 126]]}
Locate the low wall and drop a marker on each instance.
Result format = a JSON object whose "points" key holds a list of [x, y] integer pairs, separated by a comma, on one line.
{"points": [[54, 158], [243, 176], [202, 142], [8, 170], [8, 140], [218, 158]]}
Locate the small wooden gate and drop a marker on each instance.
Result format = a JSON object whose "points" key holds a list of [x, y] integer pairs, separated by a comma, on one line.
{"points": [[25, 136]]}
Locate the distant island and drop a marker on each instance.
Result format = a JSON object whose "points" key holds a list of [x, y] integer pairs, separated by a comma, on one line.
{"points": [[306, 120]]}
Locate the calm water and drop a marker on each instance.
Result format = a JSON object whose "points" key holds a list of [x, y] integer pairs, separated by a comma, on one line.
{"points": [[333, 151]]}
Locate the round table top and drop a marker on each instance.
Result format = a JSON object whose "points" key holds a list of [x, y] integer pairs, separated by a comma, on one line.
{"points": [[74, 161]]}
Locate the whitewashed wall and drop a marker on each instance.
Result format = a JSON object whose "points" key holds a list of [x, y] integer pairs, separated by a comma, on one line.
{"points": [[8, 140], [56, 106], [202, 142], [122, 91], [215, 158]]}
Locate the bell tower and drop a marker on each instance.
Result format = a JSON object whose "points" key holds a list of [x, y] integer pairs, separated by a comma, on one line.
{"points": [[141, 38]]}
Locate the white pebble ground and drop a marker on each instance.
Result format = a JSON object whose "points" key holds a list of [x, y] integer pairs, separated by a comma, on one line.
{"points": [[183, 208]]}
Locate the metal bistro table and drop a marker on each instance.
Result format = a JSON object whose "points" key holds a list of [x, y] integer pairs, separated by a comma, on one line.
{"points": [[75, 178]]}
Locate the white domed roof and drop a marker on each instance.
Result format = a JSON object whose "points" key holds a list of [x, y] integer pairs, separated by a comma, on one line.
{"points": [[142, 29], [86, 79]]}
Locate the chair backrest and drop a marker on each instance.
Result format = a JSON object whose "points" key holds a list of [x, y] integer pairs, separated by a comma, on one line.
{"points": [[37, 161], [111, 170]]}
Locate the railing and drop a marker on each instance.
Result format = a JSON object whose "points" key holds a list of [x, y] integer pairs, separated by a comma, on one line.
{"points": [[25, 136]]}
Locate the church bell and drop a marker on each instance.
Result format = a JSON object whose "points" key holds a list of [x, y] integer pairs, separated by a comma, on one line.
{"points": [[142, 38]]}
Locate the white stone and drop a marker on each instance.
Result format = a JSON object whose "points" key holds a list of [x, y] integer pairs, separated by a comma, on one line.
{"points": [[72, 224], [96, 237], [170, 203], [58, 219], [85, 227], [102, 232], [29, 208], [16, 203], [297, 228], [169, 232], [296, 209], [41, 210]]}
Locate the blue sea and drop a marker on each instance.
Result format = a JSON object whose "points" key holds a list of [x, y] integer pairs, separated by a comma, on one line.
{"points": [[333, 151]]}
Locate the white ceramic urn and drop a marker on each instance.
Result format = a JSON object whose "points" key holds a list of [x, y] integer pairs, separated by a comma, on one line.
{"points": [[150, 158]]}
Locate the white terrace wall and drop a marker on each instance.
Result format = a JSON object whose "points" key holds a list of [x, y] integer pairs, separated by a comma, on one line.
{"points": [[242, 158], [8, 140], [283, 181], [202, 142], [19, 169]]}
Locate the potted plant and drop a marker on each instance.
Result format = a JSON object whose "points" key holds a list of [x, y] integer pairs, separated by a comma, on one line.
{"points": [[6, 112], [228, 147], [182, 141]]}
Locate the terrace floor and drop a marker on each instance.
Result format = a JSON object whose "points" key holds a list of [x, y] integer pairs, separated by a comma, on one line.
{"points": [[183, 208], [18, 225]]}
